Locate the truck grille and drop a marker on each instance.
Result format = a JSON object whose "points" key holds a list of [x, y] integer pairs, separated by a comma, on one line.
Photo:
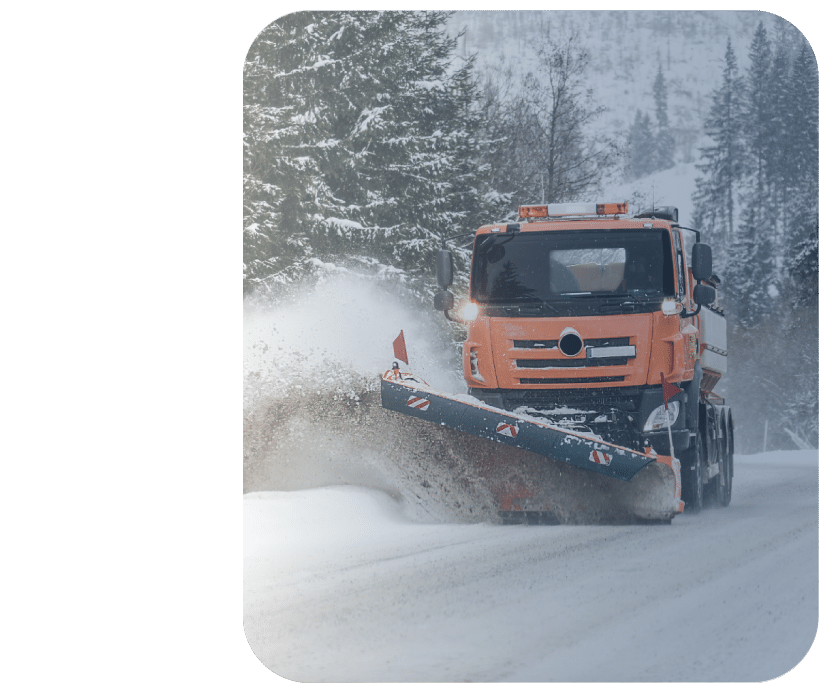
{"points": [[554, 343], [536, 344], [585, 362], [567, 363], [570, 380], [627, 398]]}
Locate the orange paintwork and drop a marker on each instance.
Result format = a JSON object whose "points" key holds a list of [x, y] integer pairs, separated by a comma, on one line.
{"points": [[664, 343], [478, 338]]}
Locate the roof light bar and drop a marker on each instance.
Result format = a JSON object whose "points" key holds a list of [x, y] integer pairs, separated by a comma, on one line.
{"points": [[548, 210]]}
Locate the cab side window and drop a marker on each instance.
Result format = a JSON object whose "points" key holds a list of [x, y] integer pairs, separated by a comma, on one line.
{"points": [[680, 264]]}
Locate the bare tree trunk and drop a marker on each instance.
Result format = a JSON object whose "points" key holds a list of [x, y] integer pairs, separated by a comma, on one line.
{"points": [[541, 126]]}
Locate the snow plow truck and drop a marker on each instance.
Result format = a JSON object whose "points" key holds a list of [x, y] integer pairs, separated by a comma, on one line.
{"points": [[594, 344]]}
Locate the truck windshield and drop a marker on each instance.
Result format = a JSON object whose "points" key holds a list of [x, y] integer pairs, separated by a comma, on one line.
{"points": [[572, 265]]}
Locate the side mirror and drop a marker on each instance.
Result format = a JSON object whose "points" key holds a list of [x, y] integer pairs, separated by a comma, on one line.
{"points": [[703, 294], [444, 269], [701, 263], [443, 301]]}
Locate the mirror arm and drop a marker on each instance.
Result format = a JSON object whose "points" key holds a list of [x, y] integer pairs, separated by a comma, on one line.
{"points": [[696, 232], [686, 315], [454, 237]]}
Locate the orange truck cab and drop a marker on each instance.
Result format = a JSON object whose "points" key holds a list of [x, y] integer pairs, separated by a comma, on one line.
{"points": [[579, 312]]}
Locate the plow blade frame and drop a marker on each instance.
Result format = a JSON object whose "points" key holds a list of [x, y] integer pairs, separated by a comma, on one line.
{"points": [[409, 395]]}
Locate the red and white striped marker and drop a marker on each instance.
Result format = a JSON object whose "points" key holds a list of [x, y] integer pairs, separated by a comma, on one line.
{"points": [[419, 403], [600, 457], [507, 430]]}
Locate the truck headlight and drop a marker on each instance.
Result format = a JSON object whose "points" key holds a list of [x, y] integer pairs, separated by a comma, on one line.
{"points": [[469, 312], [660, 417], [671, 306]]}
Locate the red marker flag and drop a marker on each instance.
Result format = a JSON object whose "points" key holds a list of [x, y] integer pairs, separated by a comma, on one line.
{"points": [[399, 347], [669, 389]]}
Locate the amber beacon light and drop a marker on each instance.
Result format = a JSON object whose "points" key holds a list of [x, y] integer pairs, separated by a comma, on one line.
{"points": [[551, 210]]}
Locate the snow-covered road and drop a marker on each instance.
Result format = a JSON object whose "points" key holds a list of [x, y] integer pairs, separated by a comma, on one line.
{"points": [[341, 585]]}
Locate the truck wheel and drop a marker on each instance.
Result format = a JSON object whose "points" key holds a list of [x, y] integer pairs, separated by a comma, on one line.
{"points": [[719, 425], [727, 446], [691, 477], [711, 455]]}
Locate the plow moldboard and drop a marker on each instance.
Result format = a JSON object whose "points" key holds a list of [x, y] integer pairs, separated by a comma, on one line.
{"points": [[538, 470]]}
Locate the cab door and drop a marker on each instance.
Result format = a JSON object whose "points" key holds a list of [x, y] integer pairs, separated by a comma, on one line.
{"points": [[689, 332]]}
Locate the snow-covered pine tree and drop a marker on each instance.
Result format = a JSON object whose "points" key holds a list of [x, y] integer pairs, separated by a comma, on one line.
{"points": [[770, 287], [749, 294], [750, 287], [800, 322], [758, 120], [276, 181], [759, 129], [802, 119], [801, 241], [663, 139], [779, 168], [800, 330], [641, 147], [723, 162], [363, 160], [754, 245], [470, 198], [417, 150], [802, 262]]}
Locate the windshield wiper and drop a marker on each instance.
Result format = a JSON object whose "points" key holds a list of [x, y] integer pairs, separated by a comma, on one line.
{"points": [[605, 295], [613, 296], [539, 302], [529, 302]]}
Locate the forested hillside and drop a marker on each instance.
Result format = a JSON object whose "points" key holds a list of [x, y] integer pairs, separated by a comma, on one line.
{"points": [[369, 137], [757, 199], [362, 145]]}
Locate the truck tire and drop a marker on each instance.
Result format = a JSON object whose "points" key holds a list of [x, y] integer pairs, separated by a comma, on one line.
{"points": [[727, 447], [691, 476], [710, 453], [730, 428]]}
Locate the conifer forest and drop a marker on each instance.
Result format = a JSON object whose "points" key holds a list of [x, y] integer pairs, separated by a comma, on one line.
{"points": [[370, 137]]}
